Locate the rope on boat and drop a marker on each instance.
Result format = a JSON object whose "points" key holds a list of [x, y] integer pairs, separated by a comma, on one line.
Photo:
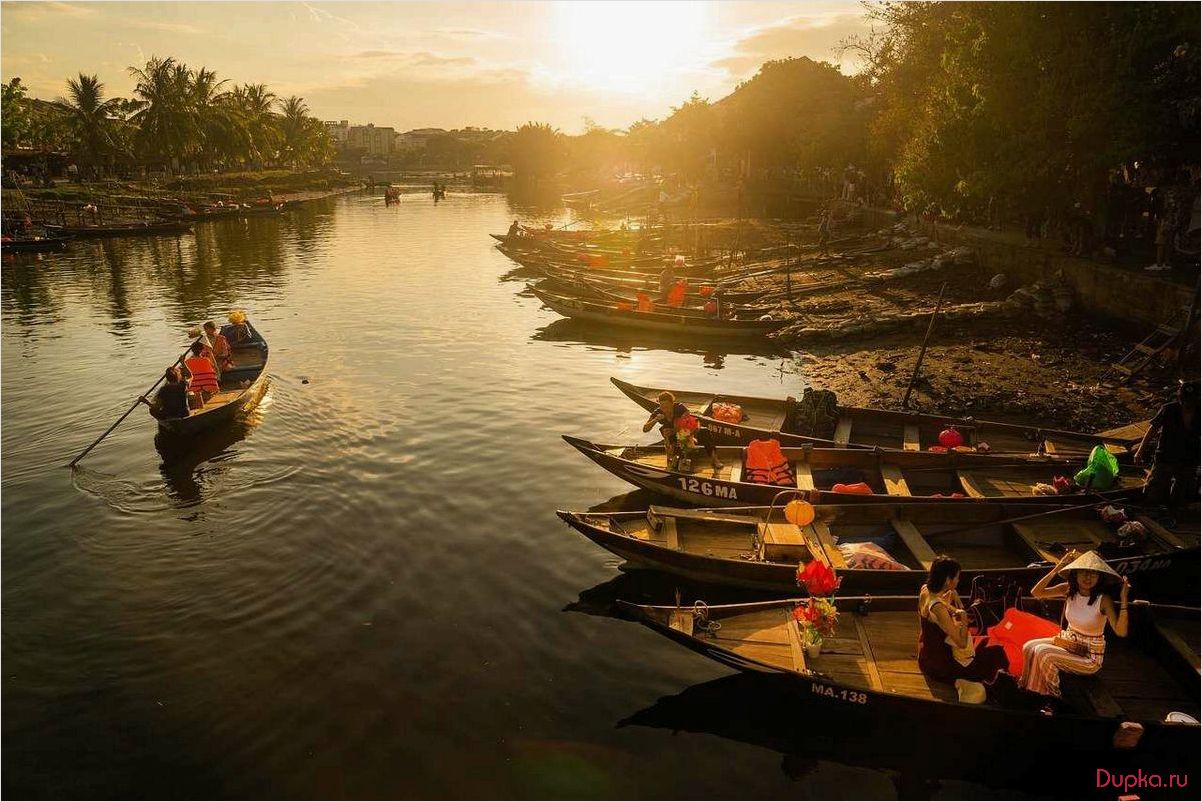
{"points": [[701, 619]]}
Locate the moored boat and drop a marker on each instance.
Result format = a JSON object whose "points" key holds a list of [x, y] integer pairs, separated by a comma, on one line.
{"points": [[241, 387], [874, 428], [139, 229], [35, 244], [683, 321], [1146, 690], [852, 476], [885, 548]]}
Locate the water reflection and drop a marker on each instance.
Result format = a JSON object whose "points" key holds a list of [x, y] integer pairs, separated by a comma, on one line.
{"points": [[191, 465], [625, 343]]}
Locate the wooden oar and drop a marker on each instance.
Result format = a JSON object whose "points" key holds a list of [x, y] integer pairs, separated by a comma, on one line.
{"points": [[110, 429]]}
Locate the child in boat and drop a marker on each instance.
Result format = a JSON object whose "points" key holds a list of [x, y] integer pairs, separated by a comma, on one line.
{"points": [[202, 373], [671, 416], [1088, 607], [238, 330], [945, 648]]}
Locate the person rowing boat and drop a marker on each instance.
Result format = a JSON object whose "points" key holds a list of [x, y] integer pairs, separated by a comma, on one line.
{"points": [[171, 400]]}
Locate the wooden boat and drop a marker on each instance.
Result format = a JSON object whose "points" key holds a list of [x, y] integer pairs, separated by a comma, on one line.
{"points": [[241, 388], [866, 427], [631, 284], [757, 549], [868, 673], [737, 324], [263, 210], [583, 288], [126, 229], [34, 244], [891, 475]]}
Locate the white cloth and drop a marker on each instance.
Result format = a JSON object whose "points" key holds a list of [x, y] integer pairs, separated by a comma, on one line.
{"points": [[1083, 617]]}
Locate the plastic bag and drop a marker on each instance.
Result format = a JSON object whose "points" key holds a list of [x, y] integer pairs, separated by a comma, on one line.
{"points": [[1100, 470]]}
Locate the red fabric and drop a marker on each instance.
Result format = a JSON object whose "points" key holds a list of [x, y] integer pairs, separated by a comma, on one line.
{"points": [[677, 293], [687, 422], [1014, 630], [624, 306], [818, 579], [859, 488], [706, 291]]}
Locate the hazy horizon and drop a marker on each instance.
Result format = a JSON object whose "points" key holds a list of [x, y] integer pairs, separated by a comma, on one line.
{"points": [[424, 64]]}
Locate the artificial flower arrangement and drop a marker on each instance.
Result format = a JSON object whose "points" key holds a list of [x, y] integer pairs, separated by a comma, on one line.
{"points": [[816, 616]]}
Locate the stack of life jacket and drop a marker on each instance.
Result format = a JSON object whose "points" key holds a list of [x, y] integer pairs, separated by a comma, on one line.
{"points": [[728, 413], [765, 464], [644, 304], [677, 293], [204, 375]]}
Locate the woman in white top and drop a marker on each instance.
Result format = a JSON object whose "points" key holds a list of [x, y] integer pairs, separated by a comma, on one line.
{"points": [[1078, 649]]}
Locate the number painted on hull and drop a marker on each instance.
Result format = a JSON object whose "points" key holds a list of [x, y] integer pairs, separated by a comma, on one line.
{"points": [[1141, 564], [839, 694], [703, 488]]}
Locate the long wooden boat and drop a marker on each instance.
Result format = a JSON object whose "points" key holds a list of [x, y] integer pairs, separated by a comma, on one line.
{"points": [[681, 321], [868, 673], [630, 285], [695, 304], [35, 244], [650, 266], [241, 388], [890, 475], [755, 548], [865, 427], [126, 229]]}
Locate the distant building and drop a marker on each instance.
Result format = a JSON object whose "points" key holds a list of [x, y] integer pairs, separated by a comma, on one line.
{"points": [[378, 142], [338, 131]]}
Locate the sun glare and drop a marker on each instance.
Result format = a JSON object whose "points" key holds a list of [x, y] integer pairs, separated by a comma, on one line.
{"points": [[624, 46]]}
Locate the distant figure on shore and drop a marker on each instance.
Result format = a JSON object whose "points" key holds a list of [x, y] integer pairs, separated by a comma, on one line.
{"points": [[824, 232], [1174, 475], [171, 400]]}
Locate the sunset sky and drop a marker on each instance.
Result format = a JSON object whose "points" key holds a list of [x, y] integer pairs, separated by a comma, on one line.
{"points": [[431, 64]]}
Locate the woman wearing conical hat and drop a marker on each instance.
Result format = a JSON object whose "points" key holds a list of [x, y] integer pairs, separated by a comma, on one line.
{"points": [[1089, 605]]}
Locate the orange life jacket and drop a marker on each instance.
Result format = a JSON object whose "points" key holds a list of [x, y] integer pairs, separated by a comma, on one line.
{"points": [[204, 376], [644, 302], [765, 464], [677, 293]]}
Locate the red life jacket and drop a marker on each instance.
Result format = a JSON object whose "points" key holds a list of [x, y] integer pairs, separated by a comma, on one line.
{"points": [[204, 376], [677, 293], [644, 302], [765, 464]]}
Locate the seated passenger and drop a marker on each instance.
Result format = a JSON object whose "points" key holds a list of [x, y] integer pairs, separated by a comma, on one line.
{"points": [[945, 648], [239, 330], [202, 373], [171, 400], [1088, 606], [221, 352]]}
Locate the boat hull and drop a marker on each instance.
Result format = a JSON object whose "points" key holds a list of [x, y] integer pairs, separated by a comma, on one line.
{"points": [[581, 309]]}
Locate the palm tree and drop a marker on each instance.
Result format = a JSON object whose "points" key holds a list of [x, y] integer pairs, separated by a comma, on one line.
{"points": [[255, 103], [214, 119], [293, 131], [167, 129], [89, 119]]}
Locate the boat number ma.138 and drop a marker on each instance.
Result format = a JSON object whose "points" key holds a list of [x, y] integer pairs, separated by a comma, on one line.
{"points": [[691, 485], [841, 694]]}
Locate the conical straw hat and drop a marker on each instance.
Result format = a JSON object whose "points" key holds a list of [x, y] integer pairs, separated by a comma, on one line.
{"points": [[1090, 561]]}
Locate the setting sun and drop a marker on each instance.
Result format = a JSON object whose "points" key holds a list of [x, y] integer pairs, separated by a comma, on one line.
{"points": [[629, 46]]}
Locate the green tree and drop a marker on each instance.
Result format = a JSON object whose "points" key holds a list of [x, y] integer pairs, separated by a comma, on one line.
{"points": [[536, 151], [15, 113], [90, 120]]}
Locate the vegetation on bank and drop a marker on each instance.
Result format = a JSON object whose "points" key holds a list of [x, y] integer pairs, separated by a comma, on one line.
{"points": [[180, 119]]}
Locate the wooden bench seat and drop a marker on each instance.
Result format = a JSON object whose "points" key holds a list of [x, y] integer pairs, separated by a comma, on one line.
{"points": [[915, 542], [843, 431], [895, 482]]}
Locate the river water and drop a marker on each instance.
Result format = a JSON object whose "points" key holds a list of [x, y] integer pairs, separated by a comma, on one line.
{"points": [[362, 590]]}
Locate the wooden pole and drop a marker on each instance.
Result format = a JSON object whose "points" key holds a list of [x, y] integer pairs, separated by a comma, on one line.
{"points": [[922, 352], [110, 429]]}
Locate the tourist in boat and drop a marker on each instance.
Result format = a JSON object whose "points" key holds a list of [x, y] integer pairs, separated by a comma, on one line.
{"points": [[171, 400], [1174, 475], [1089, 605], [202, 373], [672, 416], [945, 646], [219, 348], [238, 330]]}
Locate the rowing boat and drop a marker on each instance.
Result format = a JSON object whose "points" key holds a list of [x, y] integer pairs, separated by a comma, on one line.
{"points": [[631, 285], [242, 385], [889, 475], [874, 428], [584, 288], [753, 549], [34, 244], [693, 322], [867, 673]]}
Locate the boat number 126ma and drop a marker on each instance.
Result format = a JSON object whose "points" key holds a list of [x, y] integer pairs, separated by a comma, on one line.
{"points": [[691, 485]]}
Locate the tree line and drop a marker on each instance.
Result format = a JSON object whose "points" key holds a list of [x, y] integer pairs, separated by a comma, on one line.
{"points": [[967, 110], [179, 117]]}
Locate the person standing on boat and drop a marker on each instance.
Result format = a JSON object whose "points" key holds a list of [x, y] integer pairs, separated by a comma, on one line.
{"points": [[1079, 647], [667, 280], [1174, 475], [171, 400], [945, 646], [672, 417], [824, 232]]}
